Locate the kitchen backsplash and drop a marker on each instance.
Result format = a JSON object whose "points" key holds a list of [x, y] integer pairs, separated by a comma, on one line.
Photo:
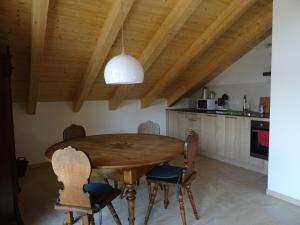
{"points": [[253, 91]]}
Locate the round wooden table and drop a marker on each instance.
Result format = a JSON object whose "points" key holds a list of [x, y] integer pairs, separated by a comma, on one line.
{"points": [[131, 154]]}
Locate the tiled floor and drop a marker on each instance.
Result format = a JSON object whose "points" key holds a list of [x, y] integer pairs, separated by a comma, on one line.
{"points": [[225, 195]]}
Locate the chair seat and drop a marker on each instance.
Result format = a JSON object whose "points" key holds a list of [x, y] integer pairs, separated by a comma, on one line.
{"points": [[166, 173], [99, 193]]}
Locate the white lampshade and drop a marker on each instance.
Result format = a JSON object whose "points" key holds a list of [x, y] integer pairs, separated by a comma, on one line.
{"points": [[123, 69]]}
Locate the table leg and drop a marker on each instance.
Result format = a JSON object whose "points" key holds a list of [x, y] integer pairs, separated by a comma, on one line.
{"points": [[130, 180], [131, 201]]}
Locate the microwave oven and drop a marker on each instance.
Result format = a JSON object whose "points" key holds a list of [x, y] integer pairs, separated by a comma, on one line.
{"points": [[207, 104]]}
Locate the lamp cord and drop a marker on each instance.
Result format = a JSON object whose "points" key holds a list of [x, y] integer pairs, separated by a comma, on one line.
{"points": [[122, 28]]}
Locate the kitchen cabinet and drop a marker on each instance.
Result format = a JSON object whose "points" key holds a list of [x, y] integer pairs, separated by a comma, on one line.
{"points": [[222, 137], [193, 122], [237, 138], [180, 123], [172, 123], [212, 135]]}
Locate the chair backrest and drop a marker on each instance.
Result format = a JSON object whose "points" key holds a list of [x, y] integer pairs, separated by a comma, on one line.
{"points": [[190, 152], [149, 127], [73, 131], [73, 169]]}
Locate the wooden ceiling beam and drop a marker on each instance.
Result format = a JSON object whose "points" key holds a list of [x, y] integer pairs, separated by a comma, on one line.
{"points": [[222, 23], [165, 33], [238, 47], [109, 33], [39, 16]]}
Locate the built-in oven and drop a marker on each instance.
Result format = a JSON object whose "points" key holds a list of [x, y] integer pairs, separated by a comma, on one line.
{"points": [[259, 144]]}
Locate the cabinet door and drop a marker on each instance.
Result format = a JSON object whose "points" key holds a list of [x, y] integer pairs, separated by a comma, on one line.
{"points": [[237, 142], [212, 135], [193, 122], [176, 123], [172, 123], [182, 125]]}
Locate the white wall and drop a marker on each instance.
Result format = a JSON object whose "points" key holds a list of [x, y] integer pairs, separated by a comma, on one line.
{"points": [[284, 161], [244, 77], [34, 133]]}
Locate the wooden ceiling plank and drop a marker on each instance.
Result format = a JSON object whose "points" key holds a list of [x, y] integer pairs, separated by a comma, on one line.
{"points": [[165, 33], [106, 39], [258, 29], [222, 23], [38, 32]]}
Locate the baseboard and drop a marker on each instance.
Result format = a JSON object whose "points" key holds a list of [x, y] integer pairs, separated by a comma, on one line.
{"points": [[283, 197], [38, 165]]}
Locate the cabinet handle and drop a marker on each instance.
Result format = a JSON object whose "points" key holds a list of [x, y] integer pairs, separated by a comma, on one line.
{"points": [[231, 117], [190, 119], [212, 115]]}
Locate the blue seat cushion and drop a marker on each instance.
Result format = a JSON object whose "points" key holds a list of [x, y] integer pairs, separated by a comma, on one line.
{"points": [[166, 173], [98, 192]]}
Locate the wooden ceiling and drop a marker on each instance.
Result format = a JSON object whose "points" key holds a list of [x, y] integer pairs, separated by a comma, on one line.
{"points": [[60, 47]]}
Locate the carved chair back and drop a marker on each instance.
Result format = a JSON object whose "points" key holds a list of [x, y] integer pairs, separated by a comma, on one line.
{"points": [[149, 127], [190, 152], [73, 131], [73, 169]]}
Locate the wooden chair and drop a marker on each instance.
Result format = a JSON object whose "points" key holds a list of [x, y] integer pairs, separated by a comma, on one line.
{"points": [[77, 131], [180, 177], [149, 127], [73, 131], [73, 169]]}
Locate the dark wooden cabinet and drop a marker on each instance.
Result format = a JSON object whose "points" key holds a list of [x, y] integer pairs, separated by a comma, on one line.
{"points": [[9, 212]]}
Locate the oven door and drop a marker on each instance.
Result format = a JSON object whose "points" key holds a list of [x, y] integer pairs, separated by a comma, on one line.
{"points": [[259, 145]]}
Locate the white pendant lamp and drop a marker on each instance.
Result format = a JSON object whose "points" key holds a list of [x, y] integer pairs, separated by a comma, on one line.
{"points": [[123, 69]]}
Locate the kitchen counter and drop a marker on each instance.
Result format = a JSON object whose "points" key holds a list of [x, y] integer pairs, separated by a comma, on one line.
{"points": [[224, 112], [224, 136]]}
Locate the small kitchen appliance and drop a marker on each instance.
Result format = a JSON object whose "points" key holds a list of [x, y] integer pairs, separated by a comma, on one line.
{"points": [[206, 104]]}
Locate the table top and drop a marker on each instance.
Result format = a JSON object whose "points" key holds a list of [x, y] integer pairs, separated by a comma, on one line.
{"points": [[124, 150]]}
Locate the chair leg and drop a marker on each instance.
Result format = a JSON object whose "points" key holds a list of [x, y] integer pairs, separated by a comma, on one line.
{"points": [[181, 206], [149, 189], [114, 214], [166, 197], [68, 219], [123, 191], [92, 220], [106, 180], [138, 182], [192, 201], [116, 184], [151, 203], [86, 220]]}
